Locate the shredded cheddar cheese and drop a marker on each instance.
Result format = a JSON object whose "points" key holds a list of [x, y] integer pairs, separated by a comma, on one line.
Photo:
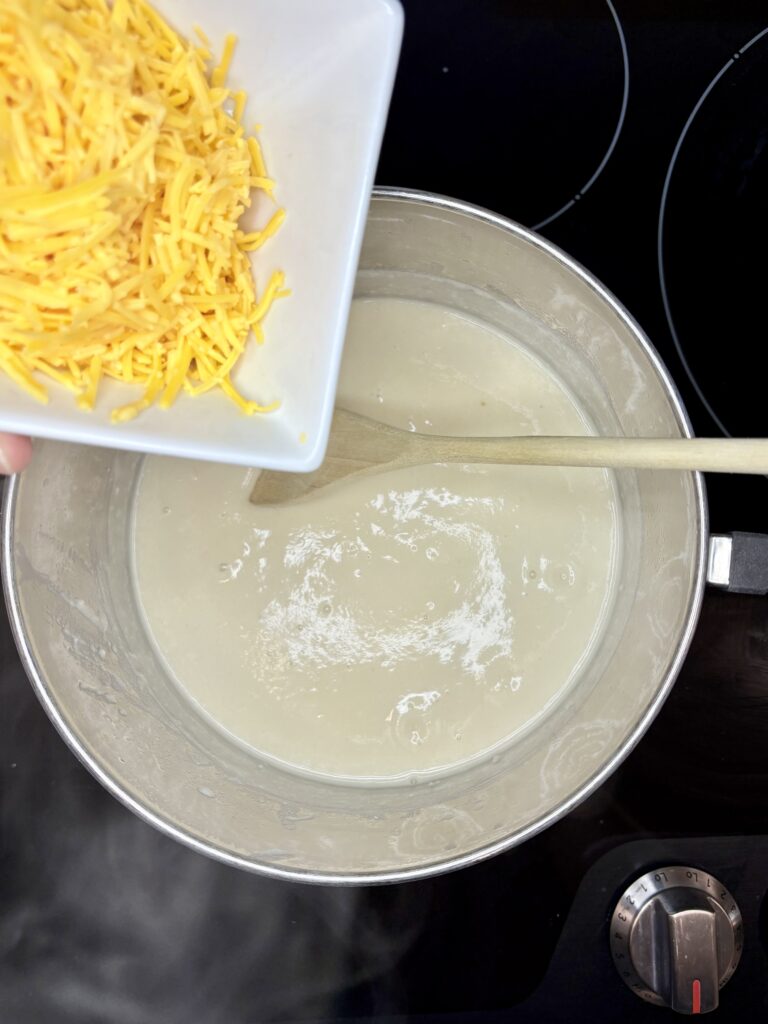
{"points": [[124, 171]]}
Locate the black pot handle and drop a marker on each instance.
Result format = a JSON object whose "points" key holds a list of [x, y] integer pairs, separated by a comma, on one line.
{"points": [[738, 562]]}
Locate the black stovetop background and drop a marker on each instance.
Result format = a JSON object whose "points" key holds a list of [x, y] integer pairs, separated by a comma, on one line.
{"points": [[510, 104]]}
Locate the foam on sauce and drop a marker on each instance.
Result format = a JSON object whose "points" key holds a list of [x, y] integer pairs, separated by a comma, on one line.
{"points": [[405, 623]]}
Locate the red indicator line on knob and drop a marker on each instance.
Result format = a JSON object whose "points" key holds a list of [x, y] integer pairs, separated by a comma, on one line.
{"points": [[696, 997]]}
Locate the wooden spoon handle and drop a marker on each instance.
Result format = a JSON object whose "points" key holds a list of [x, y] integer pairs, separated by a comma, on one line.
{"points": [[714, 455]]}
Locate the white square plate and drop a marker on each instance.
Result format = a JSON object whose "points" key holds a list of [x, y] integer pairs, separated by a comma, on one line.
{"points": [[319, 76]]}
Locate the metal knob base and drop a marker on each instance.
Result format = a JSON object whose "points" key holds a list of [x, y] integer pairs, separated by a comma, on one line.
{"points": [[676, 938]]}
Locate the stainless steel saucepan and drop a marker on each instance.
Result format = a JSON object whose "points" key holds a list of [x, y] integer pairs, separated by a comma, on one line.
{"points": [[68, 583]]}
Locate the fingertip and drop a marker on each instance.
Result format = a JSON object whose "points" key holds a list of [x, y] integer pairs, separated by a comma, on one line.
{"points": [[15, 453]]}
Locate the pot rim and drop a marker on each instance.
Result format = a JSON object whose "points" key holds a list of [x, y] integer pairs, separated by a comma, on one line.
{"points": [[170, 828]]}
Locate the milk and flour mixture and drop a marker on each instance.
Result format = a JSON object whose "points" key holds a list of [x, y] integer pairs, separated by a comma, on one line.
{"points": [[403, 623]]}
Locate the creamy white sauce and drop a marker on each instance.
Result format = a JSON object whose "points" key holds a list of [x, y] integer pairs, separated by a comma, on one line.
{"points": [[399, 624]]}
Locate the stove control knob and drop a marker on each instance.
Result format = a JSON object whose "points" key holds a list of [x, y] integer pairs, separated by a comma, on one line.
{"points": [[676, 938]]}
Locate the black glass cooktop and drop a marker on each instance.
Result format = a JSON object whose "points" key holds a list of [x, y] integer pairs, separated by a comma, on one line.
{"points": [[633, 134]]}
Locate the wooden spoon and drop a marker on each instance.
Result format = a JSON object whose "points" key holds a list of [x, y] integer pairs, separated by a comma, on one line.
{"points": [[359, 445]]}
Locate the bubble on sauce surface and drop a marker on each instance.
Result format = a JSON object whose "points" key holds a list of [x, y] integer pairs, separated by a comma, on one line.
{"points": [[411, 720]]}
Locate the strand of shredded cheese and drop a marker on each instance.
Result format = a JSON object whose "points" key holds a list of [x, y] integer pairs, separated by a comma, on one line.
{"points": [[124, 171]]}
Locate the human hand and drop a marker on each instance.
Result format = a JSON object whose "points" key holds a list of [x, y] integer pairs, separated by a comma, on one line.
{"points": [[15, 453]]}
